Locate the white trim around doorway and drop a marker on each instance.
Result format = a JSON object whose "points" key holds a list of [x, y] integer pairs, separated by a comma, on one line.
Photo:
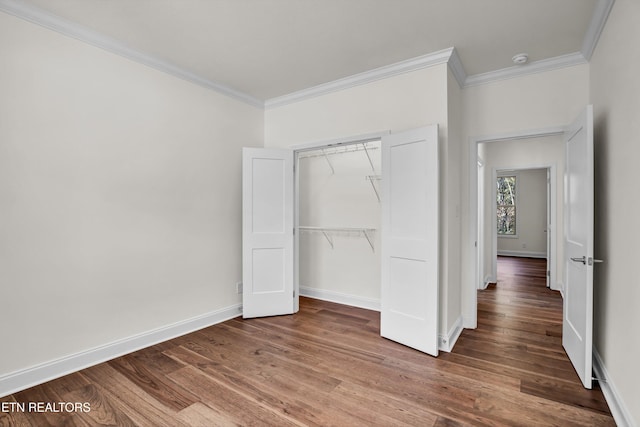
{"points": [[552, 234], [470, 315]]}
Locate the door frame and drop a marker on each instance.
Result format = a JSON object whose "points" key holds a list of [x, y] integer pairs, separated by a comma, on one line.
{"points": [[470, 300], [551, 192], [310, 146]]}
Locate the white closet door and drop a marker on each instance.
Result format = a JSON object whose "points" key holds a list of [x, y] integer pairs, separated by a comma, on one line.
{"points": [[409, 297], [267, 232]]}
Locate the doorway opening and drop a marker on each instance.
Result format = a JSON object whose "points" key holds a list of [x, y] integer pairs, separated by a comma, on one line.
{"points": [[338, 222], [539, 149], [519, 204], [575, 250], [523, 211]]}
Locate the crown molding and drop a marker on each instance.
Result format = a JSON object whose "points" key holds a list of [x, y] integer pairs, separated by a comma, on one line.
{"points": [[50, 21], [456, 67], [523, 70], [598, 20], [450, 56], [413, 64]]}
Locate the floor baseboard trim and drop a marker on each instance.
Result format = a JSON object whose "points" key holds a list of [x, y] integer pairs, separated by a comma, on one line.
{"points": [[487, 281], [618, 409], [340, 298], [446, 342], [26, 378], [523, 254]]}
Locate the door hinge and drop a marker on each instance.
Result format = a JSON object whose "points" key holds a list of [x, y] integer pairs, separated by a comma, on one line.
{"points": [[548, 273], [294, 293]]}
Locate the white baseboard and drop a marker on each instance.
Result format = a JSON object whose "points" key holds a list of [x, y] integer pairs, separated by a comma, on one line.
{"points": [[618, 408], [488, 279], [559, 286], [340, 298], [25, 378], [446, 342], [524, 254]]}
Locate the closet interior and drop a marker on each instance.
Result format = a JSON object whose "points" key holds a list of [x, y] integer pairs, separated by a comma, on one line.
{"points": [[339, 221]]}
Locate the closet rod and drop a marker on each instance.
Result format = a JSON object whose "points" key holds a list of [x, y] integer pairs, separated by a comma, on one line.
{"points": [[351, 148]]}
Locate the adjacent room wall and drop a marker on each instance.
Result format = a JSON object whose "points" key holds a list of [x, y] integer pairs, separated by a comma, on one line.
{"points": [[615, 94], [531, 216], [120, 193]]}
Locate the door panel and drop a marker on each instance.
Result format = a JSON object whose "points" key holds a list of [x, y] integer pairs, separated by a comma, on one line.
{"points": [[268, 270], [269, 205], [410, 194], [577, 325], [267, 232]]}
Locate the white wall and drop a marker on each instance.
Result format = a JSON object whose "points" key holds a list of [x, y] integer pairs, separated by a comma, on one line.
{"points": [[342, 199], [398, 103], [552, 98], [530, 102], [120, 192], [615, 94], [530, 239], [450, 196]]}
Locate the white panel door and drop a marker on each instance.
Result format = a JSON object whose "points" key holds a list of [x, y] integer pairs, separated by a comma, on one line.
{"points": [[267, 232], [409, 294], [577, 324]]}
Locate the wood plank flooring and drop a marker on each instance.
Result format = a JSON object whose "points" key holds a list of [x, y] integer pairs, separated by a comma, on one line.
{"points": [[327, 365]]}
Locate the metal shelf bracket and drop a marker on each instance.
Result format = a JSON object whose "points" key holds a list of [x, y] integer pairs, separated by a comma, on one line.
{"points": [[367, 233]]}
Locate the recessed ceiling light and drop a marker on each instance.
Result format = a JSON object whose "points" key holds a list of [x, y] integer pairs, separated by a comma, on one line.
{"points": [[520, 59]]}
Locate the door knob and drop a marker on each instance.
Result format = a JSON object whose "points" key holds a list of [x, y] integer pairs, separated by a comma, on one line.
{"points": [[586, 260]]}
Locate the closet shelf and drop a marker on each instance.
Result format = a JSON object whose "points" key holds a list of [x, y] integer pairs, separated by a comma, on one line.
{"points": [[326, 152], [326, 231]]}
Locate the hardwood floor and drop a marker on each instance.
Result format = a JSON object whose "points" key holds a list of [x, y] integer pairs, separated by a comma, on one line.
{"points": [[327, 365]]}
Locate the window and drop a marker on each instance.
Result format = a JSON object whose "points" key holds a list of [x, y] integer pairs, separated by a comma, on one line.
{"points": [[506, 201]]}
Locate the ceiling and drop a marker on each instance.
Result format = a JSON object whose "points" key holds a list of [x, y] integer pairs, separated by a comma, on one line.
{"points": [[270, 48]]}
